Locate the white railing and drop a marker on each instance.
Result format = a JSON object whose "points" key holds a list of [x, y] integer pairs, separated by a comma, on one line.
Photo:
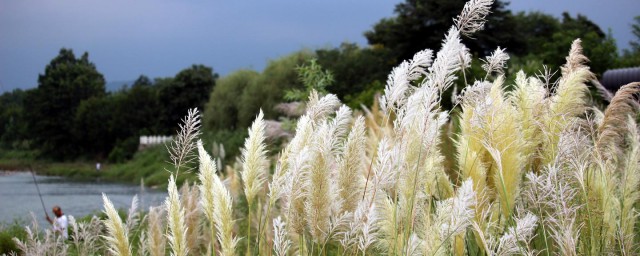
{"points": [[152, 140]]}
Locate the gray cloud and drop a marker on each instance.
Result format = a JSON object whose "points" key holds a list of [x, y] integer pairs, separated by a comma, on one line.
{"points": [[160, 37]]}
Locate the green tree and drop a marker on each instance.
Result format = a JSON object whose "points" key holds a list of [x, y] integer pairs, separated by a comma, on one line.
{"points": [[358, 72], [635, 29], [13, 131], [421, 24], [136, 112], [268, 89], [631, 57], [190, 88], [221, 112], [599, 47], [536, 28], [51, 108], [92, 134]]}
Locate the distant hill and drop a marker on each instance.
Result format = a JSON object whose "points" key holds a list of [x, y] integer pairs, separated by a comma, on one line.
{"points": [[117, 85]]}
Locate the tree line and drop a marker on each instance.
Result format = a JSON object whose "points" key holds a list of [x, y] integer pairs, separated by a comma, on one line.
{"points": [[70, 115]]}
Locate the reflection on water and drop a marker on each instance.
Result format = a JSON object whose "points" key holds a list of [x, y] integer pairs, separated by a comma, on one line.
{"points": [[19, 196]]}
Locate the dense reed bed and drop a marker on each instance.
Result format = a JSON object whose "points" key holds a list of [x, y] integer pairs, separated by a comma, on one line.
{"points": [[536, 171]]}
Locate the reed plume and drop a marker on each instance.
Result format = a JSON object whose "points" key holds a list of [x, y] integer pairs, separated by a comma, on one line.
{"points": [[318, 108], [156, 240], [516, 240], [85, 235], [611, 133], [568, 101], [319, 188], [132, 214], [205, 176], [472, 17], [118, 238], [182, 146], [496, 62], [216, 203], [350, 166], [177, 235], [529, 98], [280, 241], [629, 191], [254, 160]]}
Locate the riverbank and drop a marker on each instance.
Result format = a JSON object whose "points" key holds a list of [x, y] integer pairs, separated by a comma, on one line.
{"points": [[19, 197], [149, 166]]}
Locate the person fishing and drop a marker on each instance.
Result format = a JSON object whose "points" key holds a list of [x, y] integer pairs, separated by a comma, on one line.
{"points": [[60, 222]]}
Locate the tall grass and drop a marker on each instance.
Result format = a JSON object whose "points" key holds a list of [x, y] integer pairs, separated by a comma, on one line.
{"points": [[536, 171]]}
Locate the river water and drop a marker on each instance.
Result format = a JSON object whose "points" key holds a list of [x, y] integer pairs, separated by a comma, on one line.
{"points": [[19, 196]]}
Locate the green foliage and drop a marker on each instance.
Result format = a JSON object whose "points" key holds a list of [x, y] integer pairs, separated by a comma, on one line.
{"points": [[189, 89], [52, 107], [221, 111], [635, 29], [144, 164], [266, 90], [420, 24], [91, 126], [631, 57], [313, 77], [548, 40], [358, 72], [13, 130], [7, 232], [599, 47]]}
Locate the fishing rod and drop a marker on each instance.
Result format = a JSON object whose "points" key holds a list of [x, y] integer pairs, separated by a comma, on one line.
{"points": [[39, 194]]}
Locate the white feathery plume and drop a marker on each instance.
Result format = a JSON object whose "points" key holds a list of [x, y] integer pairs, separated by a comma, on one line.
{"points": [[117, 238], [318, 108], [414, 245], [223, 217], [133, 214], [455, 214], [254, 159], [473, 16], [155, 237], [511, 242], [281, 243], [399, 81], [304, 133], [476, 94], [320, 195], [554, 197], [175, 219], [350, 166], [294, 189], [367, 218], [384, 176], [452, 57], [181, 149], [496, 62], [418, 65], [630, 179], [206, 177], [216, 202], [340, 126], [278, 179], [419, 105], [362, 229], [397, 88]]}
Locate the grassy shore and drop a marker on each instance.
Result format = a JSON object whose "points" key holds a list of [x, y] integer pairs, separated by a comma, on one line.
{"points": [[145, 166]]}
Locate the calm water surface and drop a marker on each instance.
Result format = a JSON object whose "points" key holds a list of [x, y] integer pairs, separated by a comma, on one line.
{"points": [[18, 196]]}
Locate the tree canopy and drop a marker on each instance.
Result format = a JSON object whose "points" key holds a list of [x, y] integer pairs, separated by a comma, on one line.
{"points": [[420, 24], [66, 82]]}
